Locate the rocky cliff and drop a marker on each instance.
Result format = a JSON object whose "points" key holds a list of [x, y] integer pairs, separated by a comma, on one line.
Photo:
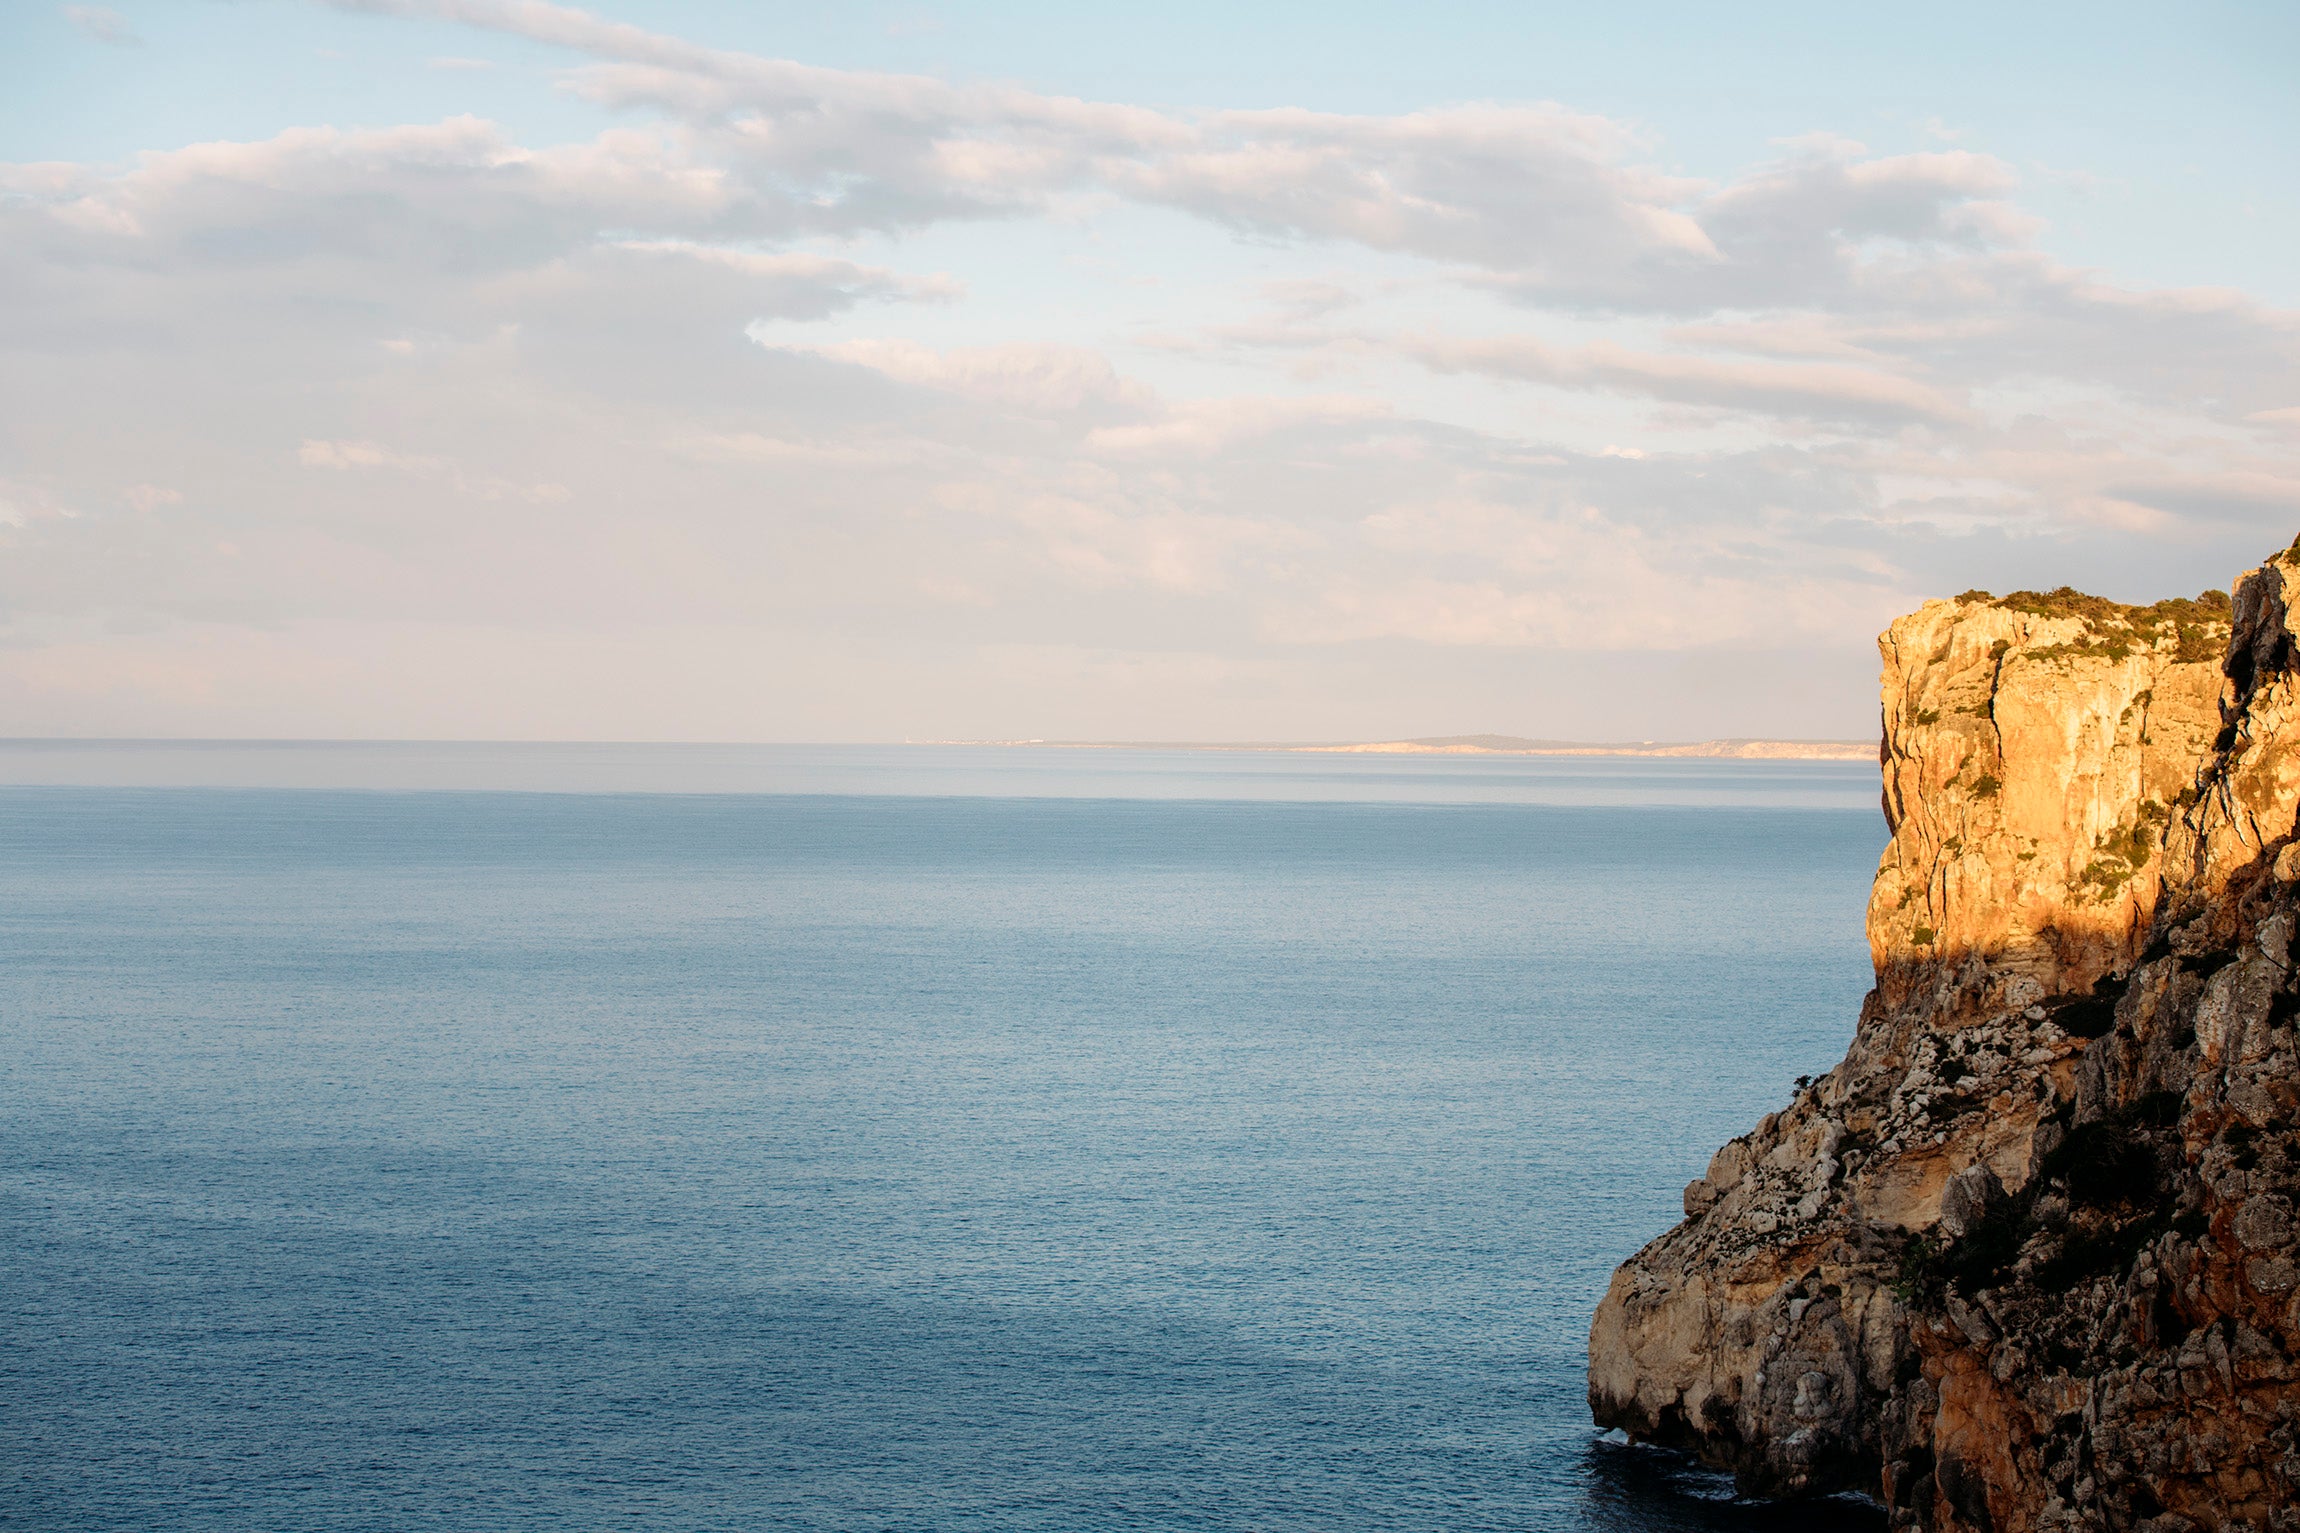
{"points": [[2025, 1259]]}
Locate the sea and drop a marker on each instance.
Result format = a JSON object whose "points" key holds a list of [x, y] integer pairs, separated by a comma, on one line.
{"points": [[474, 1137]]}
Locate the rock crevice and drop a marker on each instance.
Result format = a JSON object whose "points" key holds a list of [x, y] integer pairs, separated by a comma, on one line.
{"points": [[2026, 1258]]}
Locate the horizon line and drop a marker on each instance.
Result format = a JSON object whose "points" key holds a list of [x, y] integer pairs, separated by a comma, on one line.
{"points": [[1493, 744]]}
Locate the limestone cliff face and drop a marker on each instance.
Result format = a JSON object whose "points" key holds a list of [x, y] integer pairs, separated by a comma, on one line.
{"points": [[2025, 1259], [2031, 755]]}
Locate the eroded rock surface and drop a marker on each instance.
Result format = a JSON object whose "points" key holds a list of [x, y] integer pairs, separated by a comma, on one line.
{"points": [[2026, 1258]]}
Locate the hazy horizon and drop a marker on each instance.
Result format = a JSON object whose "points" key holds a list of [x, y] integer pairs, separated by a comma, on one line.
{"points": [[607, 769], [471, 369], [1235, 744]]}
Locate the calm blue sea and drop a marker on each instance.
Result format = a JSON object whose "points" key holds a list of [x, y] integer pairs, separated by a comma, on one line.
{"points": [[911, 1139]]}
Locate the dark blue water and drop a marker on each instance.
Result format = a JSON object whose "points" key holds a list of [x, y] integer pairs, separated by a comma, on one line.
{"points": [[473, 1160]]}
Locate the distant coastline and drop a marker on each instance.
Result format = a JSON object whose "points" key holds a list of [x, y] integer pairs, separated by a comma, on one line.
{"points": [[1488, 745]]}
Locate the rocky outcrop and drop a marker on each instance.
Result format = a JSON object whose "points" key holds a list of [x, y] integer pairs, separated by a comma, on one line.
{"points": [[2026, 1258]]}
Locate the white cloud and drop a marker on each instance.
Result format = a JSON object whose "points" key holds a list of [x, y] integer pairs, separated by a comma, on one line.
{"points": [[1201, 428], [359, 457], [103, 24], [354, 455], [1051, 379], [753, 447], [1498, 186], [1808, 389], [798, 271], [21, 504]]}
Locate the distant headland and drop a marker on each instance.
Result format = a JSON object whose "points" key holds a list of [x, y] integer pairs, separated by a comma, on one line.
{"points": [[1489, 745]]}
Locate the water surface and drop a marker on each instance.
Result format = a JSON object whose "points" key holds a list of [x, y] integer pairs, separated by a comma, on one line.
{"points": [[926, 1140]]}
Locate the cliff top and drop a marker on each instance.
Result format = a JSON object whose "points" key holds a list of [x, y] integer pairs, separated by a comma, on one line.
{"points": [[2199, 623]]}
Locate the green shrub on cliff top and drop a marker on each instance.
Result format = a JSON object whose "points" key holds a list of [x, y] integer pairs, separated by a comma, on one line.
{"points": [[2064, 601], [2196, 625]]}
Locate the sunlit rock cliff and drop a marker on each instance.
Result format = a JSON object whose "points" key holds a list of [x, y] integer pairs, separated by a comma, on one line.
{"points": [[2025, 1259]]}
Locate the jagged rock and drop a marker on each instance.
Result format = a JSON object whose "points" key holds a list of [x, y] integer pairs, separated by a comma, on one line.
{"points": [[1971, 1197], [2026, 1259]]}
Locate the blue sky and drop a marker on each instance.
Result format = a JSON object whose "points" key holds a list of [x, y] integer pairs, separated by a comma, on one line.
{"points": [[2163, 141], [1193, 371]]}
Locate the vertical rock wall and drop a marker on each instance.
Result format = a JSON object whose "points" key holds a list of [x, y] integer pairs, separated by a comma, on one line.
{"points": [[2024, 1259]]}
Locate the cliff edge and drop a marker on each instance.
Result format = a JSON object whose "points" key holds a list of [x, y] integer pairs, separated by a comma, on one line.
{"points": [[2025, 1259]]}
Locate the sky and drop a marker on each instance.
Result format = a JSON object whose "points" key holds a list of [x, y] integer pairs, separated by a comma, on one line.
{"points": [[701, 370]]}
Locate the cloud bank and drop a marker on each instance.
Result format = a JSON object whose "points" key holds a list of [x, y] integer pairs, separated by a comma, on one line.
{"points": [[732, 409]]}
